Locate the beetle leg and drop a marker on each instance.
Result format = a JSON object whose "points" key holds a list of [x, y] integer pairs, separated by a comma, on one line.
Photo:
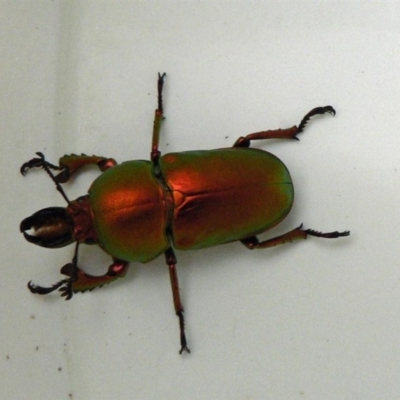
{"points": [[171, 261], [37, 162], [297, 233], [65, 284], [80, 281], [314, 111], [158, 118], [46, 290], [290, 133], [70, 164]]}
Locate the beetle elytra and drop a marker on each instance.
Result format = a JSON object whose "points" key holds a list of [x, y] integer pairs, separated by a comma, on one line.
{"points": [[138, 210]]}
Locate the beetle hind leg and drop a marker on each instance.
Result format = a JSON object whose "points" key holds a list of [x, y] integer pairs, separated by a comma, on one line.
{"points": [[295, 234], [289, 133], [171, 261]]}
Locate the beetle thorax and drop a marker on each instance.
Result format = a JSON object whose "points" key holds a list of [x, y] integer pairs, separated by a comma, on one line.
{"points": [[82, 215]]}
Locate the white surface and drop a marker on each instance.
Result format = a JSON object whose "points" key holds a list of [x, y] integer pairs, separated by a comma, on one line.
{"points": [[314, 320]]}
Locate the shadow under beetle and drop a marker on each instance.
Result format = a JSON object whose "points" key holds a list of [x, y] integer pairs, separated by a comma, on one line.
{"points": [[138, 210]]}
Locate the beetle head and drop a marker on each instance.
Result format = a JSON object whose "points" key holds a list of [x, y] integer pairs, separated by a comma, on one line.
{"points": [[55, 227], [51, 227]]}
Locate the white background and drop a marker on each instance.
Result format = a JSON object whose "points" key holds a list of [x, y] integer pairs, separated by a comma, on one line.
{"points": [[316, 319]]}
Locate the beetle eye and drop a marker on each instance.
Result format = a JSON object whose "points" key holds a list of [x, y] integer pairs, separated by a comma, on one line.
{"points": [[51, 227]]}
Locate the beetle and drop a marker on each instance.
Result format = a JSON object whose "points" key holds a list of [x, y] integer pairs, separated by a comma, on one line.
{"points": [[138, 210]]}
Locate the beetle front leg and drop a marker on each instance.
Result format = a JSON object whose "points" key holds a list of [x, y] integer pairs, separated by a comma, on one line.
{"points": [[38, 162], [68, 165], [80, 281], [171, 261], [290, 133], [295, 234], [71, 163]]}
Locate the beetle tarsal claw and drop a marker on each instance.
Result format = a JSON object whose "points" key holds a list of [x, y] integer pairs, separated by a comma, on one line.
{"points": [[46, 290], [327, 235], [184, 348], [66, 291], [38, 162], [315, 111]]}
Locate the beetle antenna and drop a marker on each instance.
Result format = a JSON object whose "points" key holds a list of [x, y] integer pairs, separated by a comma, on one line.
{"points": [[46, 167]]}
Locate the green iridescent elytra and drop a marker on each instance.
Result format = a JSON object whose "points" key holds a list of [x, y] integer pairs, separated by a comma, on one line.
{"points": [[218, 196]]}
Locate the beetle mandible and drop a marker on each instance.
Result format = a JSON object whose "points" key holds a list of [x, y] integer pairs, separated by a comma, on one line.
{"points": [[138, 210]]}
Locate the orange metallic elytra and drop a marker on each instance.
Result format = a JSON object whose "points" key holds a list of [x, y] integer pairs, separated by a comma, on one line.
{"points": [[138, 210]]}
